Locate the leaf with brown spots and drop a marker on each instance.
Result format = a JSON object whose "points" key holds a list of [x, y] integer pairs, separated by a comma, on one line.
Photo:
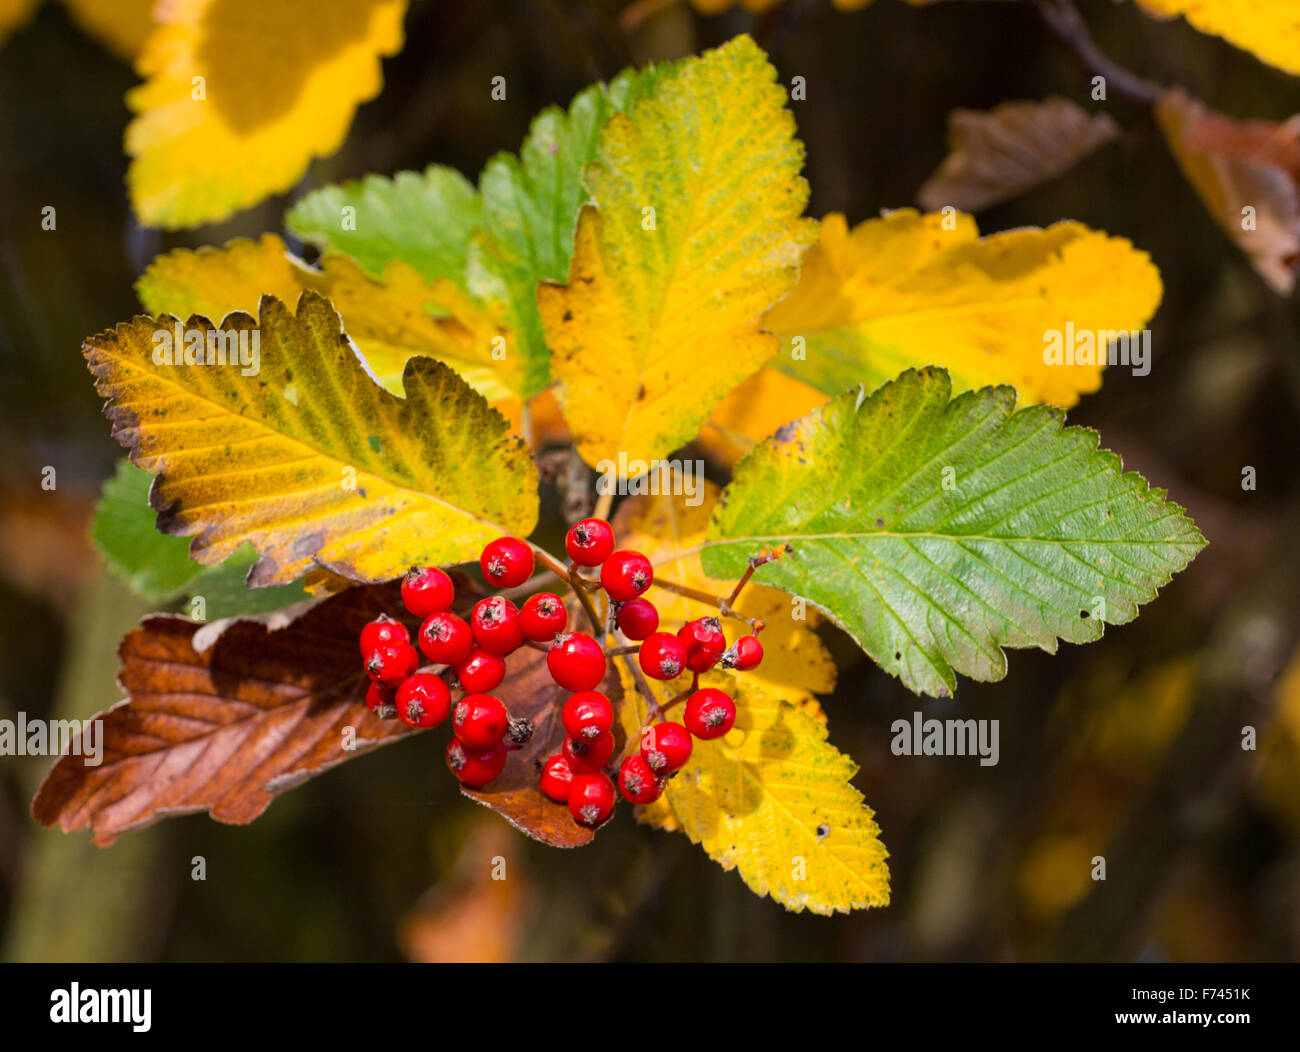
{"points": [[227, 729]]}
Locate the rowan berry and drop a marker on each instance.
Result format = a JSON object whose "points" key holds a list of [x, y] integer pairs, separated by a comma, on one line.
{"points": [[662, 656], [638, 619], [587, 715], [666, 747], [496, 625], [423, 700], [506, 562], [391, 664], [588, 754], [704, 643], [556, 778], [379, 700], [745, 653], [591, 799], [427, 590], [543, 617], [480, 720], [637, 782], [576, 662], [589, 542], [710, 713], [445, 638], [475, 767], [480, 672], [381, 632], [625, 575]]}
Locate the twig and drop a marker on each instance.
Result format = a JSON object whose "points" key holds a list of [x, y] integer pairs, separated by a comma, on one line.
{"points": [[1063, 18]]}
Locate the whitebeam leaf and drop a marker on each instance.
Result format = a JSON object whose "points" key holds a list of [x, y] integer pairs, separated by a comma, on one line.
{"points": [[937, 532]]}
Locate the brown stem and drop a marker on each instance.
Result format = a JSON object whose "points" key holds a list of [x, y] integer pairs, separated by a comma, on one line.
{"points": [[631, 648], [722, 603], [1063, 18]]}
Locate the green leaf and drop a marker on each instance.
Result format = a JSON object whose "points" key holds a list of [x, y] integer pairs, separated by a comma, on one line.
{"points": [[422, 219], [937, 532], [157, 566], [151, 564], [497, 243]]}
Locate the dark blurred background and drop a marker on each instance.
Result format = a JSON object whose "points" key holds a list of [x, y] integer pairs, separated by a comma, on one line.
{"points": [[1129, 748]]}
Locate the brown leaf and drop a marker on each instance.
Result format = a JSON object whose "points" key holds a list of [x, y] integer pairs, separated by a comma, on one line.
{"points": [[999, 154], [227, 729], [1237, 165], [529, 691]]}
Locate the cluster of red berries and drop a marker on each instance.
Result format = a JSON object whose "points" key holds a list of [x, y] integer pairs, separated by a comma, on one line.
{"points": [[473, 658], [576, 775]]}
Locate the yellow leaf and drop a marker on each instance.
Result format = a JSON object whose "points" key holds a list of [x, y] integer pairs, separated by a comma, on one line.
{"points": [[391, 320], [669, 532], [307, 458], [1269, 29], [240, 95], [14, 15], [903, 291], [678, 256], [773, 799], [121, 25]]}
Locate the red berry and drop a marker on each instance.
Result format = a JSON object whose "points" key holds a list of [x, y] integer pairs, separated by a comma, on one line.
{"points": [[704, 643], [591, 799], [662, 656], [475, 767], [589, 542], [588, 754], [496, 626], [625, 575], [576, 662], [556, 778], [745, 653], [445, 639], [709, 713], [506, 562], [543, 617], [480, 672], [587, 715], [383, 631], [390, 665], [637, 783], [423, 700], [379, 700], [638, 619], [480, 720], [666, 746], [427, 590]]}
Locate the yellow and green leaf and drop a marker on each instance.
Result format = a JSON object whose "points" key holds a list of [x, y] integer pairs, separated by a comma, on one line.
{"points": [[774, 800], [1268, 29], [693, 231], [910, 290], [306, 457], [392, 319]]}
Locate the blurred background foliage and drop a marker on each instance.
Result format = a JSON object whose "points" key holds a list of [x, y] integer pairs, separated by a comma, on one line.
{"points": [[1129, 748]]}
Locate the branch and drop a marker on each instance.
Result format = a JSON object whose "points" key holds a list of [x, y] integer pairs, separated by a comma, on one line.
{"points": [[1063, 18]]}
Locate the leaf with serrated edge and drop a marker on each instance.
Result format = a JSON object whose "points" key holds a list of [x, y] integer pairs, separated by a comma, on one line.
{"points": [[773, 798], [910, 290], [937, 532], [655, 326], [392, 319], [227, 729], [310, 460]]}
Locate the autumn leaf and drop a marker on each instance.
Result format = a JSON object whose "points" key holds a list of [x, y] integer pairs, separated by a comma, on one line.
{"points": [[310, 460], [122, 26], [14, 14], [669, 531], [391, 319], [911, 290], [227, 728], [676, 258], [774, 799], [1248, 175], [937, 531], [1268, 29], [755, 409], [241, 95], [496, 243], [1001, 153]]}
